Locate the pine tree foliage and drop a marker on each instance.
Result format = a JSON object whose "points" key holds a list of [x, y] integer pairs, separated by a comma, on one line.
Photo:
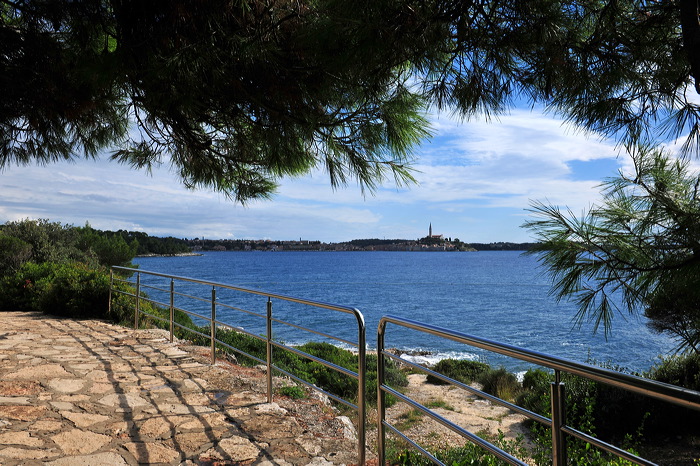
{"points": [[639, 249], [236, 94], [233, 94]]}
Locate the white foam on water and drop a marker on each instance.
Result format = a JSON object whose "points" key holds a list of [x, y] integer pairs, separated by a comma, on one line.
{"points": [[430, 359]]}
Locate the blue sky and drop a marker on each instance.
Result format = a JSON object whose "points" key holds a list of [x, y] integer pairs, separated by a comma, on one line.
{"points": [[476, 181]]}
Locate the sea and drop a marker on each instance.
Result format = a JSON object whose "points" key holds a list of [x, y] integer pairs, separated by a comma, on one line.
{"points": [[502, 296]]}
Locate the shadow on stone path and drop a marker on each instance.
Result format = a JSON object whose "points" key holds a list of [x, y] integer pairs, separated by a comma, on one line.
{"points": [[86, 392]]}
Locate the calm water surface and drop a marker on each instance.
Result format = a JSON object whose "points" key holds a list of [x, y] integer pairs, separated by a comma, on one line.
{"points": [[496, 295]]}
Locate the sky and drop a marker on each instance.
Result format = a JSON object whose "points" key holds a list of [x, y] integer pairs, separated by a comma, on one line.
{"points": [[476, 181]]}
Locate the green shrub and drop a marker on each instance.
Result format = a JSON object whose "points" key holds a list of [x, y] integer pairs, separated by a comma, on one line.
{"points": [[14, 252], [324, 377], [596, 409], [500, 383], [50, 241], [682, 370], [462, 370], [468, 455], [241, 341], [69, 289], [335, 382], [535, 393], [292, 391]]}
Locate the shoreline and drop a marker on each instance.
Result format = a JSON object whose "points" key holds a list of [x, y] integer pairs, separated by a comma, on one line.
{"points": [[177, 254]]}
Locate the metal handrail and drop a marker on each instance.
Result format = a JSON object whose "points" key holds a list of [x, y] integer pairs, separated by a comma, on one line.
{"points": [[360, 375], [657, 390]]}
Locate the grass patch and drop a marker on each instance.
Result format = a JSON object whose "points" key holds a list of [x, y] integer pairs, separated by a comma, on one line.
{"points": [[464, 371], [294, 392], [470, 454], [409, 419], [434, 404]]}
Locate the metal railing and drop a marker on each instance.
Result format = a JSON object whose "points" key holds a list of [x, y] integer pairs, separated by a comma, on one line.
{"points": [[213, 303], [657, 390], [140, 283]]}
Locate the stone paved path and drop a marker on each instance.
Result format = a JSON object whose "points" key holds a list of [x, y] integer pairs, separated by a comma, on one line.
{"points": [[85, 392]]}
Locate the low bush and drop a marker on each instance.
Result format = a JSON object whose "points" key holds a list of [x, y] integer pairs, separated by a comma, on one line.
{"points": [[70, 289], [665, 419], [462, 370], [500, 383], [468, 455], [324, 377], [294, 392], [682, 370]]}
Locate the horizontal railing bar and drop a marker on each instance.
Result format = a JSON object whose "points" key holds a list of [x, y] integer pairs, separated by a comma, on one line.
{"points": [[239, 351], [153, 301], [125, 293], [505, 456], [192, 330], [191, 313], [534, 416], [220, 324], [332, 307], [662, 391], [318, 389], [185, 295], [240, 309], [420, 449], [150, 287], [162, 319], [347, 342], [242, 330], [606, 446], [330, 365]]}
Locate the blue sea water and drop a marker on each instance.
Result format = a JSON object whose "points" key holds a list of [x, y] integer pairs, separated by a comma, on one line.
{"points": [[502, 296]]}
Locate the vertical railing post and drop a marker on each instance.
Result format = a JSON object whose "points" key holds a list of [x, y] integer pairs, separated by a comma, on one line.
{"points": [[361, 387], [213, 325], [172, 309], [381, 406], [558, 421], [111, 284], [269, 350], [138, 301]]}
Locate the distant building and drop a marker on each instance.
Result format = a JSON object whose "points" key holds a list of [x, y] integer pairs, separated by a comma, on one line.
{"points": [[430, 233]]}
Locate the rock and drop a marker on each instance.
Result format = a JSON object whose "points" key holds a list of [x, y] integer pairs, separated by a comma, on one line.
{"points": [[78, 441], [19, 388], [108, 458], [25, 453], [151, 452], [270, 408], [47, 425], [66, 385], [14, 400], [22, 413], [349, 431], [41, 372], [123, 400], [62, 405], [233, 449], [84, 419], [20, 438]]}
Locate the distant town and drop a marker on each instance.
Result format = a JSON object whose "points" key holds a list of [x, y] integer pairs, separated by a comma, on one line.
{"points": [[165, 246], [429, 243], [355, 245]]}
